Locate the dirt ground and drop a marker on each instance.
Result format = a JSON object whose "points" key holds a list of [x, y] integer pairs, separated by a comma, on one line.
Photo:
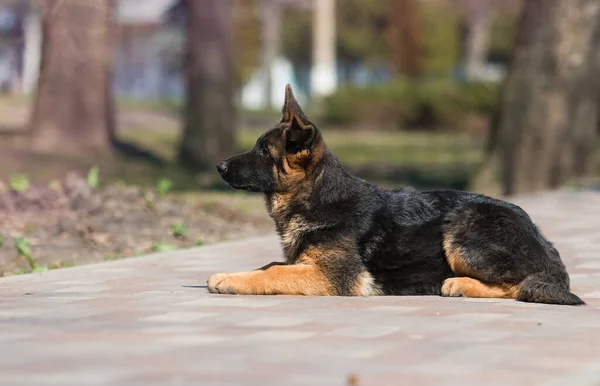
{"points": [[67, 222]]}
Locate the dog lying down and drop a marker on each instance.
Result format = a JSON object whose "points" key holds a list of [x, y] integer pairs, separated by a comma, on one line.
{"points": [[342, 236]]}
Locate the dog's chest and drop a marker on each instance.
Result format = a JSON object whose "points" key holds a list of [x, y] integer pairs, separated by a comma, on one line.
{"points": [[292, 233]]}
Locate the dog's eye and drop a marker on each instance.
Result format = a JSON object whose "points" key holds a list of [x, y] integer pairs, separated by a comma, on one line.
{"points": [[263, 151]]}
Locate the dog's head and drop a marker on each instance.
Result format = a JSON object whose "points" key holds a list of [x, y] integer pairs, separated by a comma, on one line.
{"points": [[282, 158]]}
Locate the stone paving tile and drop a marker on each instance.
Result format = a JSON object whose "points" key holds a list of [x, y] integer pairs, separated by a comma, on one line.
{"points": [[150, 321]]}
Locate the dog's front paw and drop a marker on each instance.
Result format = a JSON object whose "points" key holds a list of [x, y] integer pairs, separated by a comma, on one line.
{"points": [[452, 287], [222, 283]]}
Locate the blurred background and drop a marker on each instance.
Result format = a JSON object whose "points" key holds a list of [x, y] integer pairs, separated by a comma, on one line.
{"points": [[113, 113]]}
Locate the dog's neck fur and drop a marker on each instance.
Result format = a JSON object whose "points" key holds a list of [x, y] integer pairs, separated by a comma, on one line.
{"points": [[295, 212]]}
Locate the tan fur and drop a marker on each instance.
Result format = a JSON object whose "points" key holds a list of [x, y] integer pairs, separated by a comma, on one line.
{"points": [[317, 154], [323, 253], [296, 181], [293, 231], [297, 279], [304, 160], [302, 278], [287, 111], [352, 380], [366, 286], [293, 172], [278, 203], [473, 288], [466, 284], [455, 260]]}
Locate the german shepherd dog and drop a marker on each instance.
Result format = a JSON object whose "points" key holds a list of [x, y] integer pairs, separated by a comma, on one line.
{"points": [[342, 236]]}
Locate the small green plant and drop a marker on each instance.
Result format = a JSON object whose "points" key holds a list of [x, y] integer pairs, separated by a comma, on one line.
{"points": [[93, 177], [150, 205], [163, 247], [149, 200], [22, 271], [39, 268], [199, 243], [20, 182], [164, 185], [179, 231], [23, 249], [572, 185], [1, 240], [120, 183]]}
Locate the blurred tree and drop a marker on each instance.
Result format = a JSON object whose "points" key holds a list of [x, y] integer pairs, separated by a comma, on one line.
{"points": [[406, 33], [374, 33], [245, 20], [360, 29], [405, 38], [208, 132], [440, 24], [546, 132], [502, 35], [246, 38], [297, 36], [73, 107]]}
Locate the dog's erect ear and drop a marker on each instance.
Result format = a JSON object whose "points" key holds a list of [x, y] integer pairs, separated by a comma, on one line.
{"points": [[299, 136], [301, 133], [291, 108]]}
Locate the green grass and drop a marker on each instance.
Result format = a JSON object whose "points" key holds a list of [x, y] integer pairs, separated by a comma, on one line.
{"points": [[423, 159], [358, 148], [152, 105], [393, 149]]}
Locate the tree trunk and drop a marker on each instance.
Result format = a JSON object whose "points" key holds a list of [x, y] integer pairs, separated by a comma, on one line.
{"points": [[73, 103], [209, 115], [546, 132], [406, 38]]}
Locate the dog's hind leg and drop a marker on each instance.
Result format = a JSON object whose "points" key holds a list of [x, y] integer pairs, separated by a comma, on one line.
{"points": [[495, 251], [473, 288]]}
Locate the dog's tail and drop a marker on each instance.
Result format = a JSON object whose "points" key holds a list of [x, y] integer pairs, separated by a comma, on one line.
{"points": [[549, 289]]}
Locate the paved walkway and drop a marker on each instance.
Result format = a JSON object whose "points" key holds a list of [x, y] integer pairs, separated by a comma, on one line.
{"points": [[151, 321]]}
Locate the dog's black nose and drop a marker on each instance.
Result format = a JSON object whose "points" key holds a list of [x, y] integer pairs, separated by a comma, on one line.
{"points": [[222, 167]]}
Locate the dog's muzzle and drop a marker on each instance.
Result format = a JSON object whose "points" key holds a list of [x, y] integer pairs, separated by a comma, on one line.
{"points": [[222, 167]]}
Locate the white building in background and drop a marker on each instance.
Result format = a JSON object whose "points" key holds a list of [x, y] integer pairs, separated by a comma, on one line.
{"points": [[324, 70], [143, 63], [148, 51], [282, 72], [32, 53]]}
